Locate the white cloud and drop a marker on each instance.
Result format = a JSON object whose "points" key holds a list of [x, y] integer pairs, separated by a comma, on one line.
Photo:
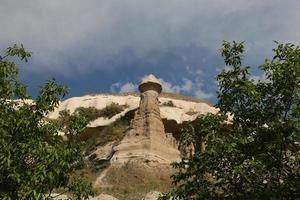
{"points": [[199, 72], [62, 31], [121, 88], [201, 94], [167, 86], [128, 87], [186, 86], [261, 77], [115, 87]]}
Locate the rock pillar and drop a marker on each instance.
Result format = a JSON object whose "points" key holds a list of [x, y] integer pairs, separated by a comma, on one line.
{"points": [[146, 138]]}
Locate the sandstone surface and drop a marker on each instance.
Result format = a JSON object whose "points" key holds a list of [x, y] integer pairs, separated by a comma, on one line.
{"points": [[183, 110], [102, 153], [104, 197], [146, 138], [154, 195], [155, 118], [56, 196]]}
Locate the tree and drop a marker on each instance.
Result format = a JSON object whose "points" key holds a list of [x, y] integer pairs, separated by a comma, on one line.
{"points": [[252, 145], [34, 161]]}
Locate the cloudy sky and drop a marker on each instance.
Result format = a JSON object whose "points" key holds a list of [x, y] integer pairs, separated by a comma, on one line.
{"points": [[109, 45]]}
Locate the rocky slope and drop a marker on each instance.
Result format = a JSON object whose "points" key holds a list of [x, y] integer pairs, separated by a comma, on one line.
{"points": [[111, 140], [183, 109]]}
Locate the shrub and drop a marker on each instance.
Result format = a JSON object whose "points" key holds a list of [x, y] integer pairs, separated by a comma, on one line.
{"points": [[111, 110], [169, 104], [90, 113]]}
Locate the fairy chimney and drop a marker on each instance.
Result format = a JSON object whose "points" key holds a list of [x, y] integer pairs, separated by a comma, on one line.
{"points": [[146, 138]]}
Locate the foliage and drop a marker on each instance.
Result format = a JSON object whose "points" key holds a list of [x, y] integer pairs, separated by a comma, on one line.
{"points": [[169, 104], [101, 136], [191, 112], [90, 113], [76, 122], [256, 155], [34, 162], [111, 110], [73, 124]]}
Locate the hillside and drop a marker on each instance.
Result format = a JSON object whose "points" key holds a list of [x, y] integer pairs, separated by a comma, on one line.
{"points": [[184, 108], [135, 178]]}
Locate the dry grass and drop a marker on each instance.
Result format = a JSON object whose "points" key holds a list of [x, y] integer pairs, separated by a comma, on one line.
{"points": [[99, 136], [133, 180]]}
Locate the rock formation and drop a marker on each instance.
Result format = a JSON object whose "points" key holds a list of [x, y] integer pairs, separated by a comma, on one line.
{"points": [[154, 195], [146, 138], [57, 196], [185, 108]]}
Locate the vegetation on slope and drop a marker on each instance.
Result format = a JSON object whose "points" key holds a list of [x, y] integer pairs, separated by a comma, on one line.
{"points": [[111, 110], [92, 113], [100, 136], [133, 180], [168, 104]]}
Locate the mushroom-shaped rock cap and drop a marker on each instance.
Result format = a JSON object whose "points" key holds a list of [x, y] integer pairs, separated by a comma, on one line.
{"points": [[150, 82]]}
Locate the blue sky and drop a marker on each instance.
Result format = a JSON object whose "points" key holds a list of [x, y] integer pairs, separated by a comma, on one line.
{"points": [[109, 45]]}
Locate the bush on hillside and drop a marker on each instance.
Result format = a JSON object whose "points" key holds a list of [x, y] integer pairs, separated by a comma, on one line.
{"points": [[111, 110], [169, 104], [90, 113]]}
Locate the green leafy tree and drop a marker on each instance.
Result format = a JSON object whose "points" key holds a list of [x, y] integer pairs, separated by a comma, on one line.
{"points": [[73, 124], [255, 153], [34, 161]]}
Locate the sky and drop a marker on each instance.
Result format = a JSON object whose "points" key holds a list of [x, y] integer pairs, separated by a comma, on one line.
{"points": [[101, 46]]}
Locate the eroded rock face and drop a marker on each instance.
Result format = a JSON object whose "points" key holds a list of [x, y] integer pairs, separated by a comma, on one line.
{"points": [[56, 196], [104, 197], [146, 139], [185, 108], [154, 195], [102, 153]]}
